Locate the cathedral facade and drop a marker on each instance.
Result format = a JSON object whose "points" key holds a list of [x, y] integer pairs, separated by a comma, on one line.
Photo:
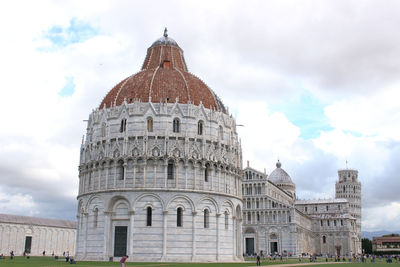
{"points": [[276, 222], [160, 169]]}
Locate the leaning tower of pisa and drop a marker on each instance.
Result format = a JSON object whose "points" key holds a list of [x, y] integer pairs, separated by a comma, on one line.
{"points": [[348, 187]]}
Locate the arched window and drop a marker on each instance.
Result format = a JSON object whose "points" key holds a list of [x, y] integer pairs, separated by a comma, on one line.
{"points": [[221, 133], [170, 170], [324, 239], [95, 217], [122, 128], [200, 128], [149, 216], [206, 170], [121, 170], [176, 126], [226, 220], [206, 218], [179, 222], [103, 130], [354, 189], [150, 124]]}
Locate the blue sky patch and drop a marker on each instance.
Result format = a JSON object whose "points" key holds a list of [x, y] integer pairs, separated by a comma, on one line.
{"points": [[307, 113], [69, 87], [77, 32]]}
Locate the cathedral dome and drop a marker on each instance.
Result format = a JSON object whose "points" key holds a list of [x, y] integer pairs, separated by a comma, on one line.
{"points": [[164, 77], [279, 176]]}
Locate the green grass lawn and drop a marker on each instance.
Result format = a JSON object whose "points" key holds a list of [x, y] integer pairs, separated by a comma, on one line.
{"points": [[51, 262]]}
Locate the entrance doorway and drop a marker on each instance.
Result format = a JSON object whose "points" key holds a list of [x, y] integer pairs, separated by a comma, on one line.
{"points": [[28, 244], [274, 247], [120, 238], [249, 246]]}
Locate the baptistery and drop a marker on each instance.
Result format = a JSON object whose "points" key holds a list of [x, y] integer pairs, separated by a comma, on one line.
{"points": [[160, 169]]}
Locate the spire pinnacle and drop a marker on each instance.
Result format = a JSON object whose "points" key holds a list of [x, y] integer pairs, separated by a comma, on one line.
{"points": [[165, 32]]}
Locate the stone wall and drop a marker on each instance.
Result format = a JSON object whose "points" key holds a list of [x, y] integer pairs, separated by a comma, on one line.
{"points": [[164, 240], [44, 238]]}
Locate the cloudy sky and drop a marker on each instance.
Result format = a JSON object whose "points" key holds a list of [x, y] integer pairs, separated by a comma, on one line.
{"points": [[315, 83]]}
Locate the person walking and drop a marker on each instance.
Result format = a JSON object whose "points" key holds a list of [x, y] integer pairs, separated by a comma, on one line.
{"points": [[67, 256], [258, 260], [123, 260]]}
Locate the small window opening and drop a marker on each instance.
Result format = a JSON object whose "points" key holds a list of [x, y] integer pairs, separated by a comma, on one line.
{"points": [[176, 126], [226, 220], [206, 174], [179, 217], [200, 128], [324, 239], [149, 216], [103, 130], [206, 218], [170, 171], [121, 170], [123, 126], [95, 217], [150, 124], [166, 64]]}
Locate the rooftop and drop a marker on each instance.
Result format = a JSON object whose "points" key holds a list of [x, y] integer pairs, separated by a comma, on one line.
{"points": [[18, 219], [321, 201]]}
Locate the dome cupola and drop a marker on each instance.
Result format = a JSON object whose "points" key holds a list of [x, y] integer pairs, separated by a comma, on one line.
{"points": [[282, 179], [164, 77]]}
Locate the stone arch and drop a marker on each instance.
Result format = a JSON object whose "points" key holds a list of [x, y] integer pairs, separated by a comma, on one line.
{"points": [[91, 201], [192, 206], [231, 207], [121, 208], [208, 202], [140, 197], [114, 200]]}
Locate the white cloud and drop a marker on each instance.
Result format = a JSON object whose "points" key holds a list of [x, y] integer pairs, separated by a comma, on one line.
{"points": [[20, 203], [375, 217]]}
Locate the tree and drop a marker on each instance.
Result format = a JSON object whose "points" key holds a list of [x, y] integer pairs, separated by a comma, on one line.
{"points": [[366, 245]]}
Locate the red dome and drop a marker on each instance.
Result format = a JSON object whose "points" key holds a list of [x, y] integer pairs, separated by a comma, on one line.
{"points": [[164, 78]]}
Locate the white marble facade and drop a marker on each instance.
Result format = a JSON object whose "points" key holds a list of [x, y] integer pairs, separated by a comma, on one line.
{"points": [[35, 235], [275, 222], [125, 171]]}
